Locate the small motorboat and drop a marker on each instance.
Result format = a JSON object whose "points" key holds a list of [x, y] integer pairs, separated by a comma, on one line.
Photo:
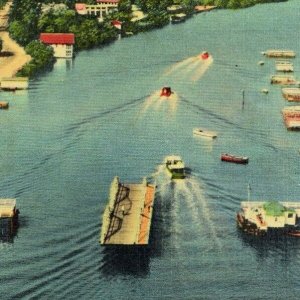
{"points": [[261, 63], [204, 133], [234, 158], [166, 92], [204, 55], [264, 91], [4, 105], [175, 167]]}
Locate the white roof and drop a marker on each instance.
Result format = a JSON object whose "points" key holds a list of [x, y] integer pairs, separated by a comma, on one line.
{"points": [[7, 207], [173, 157]]}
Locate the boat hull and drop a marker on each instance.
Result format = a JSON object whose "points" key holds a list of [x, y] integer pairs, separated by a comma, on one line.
{"points": [[176, 174], [235, 159], [252, 229], [203, 133]]}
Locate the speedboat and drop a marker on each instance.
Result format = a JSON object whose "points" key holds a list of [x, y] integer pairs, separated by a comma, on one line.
{"points": [[234, 158], [175, 167], [204, 133], [204, 55], [166, 92]]}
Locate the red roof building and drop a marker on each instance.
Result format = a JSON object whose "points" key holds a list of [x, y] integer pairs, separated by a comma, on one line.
{"points": [[62, 43], [58, 38]]}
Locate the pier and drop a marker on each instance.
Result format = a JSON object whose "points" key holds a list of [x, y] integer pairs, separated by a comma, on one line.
{"points": [[9, 215], [128, 214]]}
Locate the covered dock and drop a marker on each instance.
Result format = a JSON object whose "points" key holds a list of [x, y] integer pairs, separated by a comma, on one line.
{"points": [[128, 214]]}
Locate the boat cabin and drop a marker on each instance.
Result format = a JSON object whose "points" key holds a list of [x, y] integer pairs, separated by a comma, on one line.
{"points": [[166, 92], [260, 217], [175, 166], [204, 55]]}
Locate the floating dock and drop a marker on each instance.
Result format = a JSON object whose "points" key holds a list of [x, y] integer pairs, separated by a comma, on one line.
{"points": [[284, 66], [14, 83], [291, 116], [8, 212], [291, 94], [128, 214], [284, 80], [280, 53]]}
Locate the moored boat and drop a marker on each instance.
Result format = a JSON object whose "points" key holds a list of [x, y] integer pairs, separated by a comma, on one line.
{"points": [[178, 18], [204, 133], [291, 116], [175, 167], [283, 79], [280, 53], [166, 92], [291, 94], [269, 217], [234, 159], [284, 66]]}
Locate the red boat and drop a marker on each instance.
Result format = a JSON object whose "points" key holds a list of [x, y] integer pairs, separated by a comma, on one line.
{"points": [[234, 158], [204, 55], [166, 92]]}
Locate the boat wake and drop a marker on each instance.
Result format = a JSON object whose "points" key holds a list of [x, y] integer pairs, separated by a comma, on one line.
{"points": [[187, 198], [192, 68], [157, 102]]}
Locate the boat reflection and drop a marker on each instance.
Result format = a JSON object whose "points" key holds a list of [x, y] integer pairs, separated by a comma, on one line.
{"points": [[125, 260], [8, 230], [265, 246]]}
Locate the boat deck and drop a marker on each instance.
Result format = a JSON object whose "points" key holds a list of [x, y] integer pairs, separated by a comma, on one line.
{"points": [[127, 220]]}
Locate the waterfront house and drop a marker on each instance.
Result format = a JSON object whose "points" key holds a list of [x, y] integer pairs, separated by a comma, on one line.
{"points": [[62, 43], [109, 2], [100, 9]]}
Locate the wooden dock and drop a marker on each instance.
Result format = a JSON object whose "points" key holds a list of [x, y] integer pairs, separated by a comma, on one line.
{"points": [[204, 8], [128, 214], [291, 117]]}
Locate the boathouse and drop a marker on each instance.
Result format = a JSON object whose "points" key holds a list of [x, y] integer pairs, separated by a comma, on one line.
{"points": [[62, 43]]}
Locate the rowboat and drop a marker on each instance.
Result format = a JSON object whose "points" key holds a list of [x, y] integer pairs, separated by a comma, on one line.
{"points": [[234, 159], [204, 133]]}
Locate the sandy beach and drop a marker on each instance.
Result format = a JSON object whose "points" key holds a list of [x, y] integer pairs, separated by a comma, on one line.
{"points": [[10, 65]]}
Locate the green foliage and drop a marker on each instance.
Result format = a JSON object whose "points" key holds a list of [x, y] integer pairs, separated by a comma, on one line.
{"points": [[42, 57], [89, 33], [57, 21], [2, 3], [124, 6]]}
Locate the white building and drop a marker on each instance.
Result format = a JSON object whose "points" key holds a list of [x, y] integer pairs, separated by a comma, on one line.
{"points": [[62, 43]]}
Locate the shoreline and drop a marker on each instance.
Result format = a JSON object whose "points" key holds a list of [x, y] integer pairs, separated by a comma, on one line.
{"points": [[10, 65]]}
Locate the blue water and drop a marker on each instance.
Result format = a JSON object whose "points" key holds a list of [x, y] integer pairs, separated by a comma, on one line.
{"points": [[77, 127]]}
